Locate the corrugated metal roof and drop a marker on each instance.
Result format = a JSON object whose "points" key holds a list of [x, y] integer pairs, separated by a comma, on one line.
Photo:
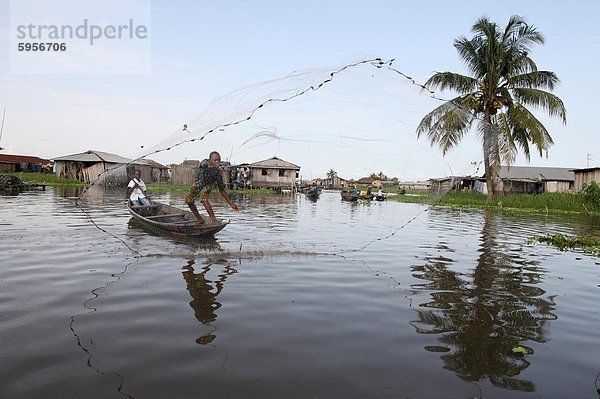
{"points": [[536, 173], [94, 156], [100, 156], [274, 163], [584, 170], [151, 163], [7, 158]]}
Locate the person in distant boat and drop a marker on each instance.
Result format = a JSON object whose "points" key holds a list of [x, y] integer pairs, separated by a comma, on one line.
{"points": [[137, 190], [315, 189], [207, 177]]}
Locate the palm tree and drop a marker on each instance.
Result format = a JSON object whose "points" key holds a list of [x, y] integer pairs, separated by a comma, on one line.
{"points": [[331, 175], [504, 82]]}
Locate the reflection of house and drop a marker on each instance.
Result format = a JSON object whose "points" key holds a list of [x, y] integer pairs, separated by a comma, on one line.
{"points": [[22, 163], [109, 168], [273, 173], [587, 175]]}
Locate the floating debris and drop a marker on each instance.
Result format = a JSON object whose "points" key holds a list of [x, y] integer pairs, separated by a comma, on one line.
{"points": [[590, 244]]}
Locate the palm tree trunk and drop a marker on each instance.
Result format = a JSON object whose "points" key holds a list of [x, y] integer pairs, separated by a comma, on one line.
{"points": [[487, 132]]}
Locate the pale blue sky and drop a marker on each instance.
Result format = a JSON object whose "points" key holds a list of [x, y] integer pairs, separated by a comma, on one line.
{"points": [[202, 50]]}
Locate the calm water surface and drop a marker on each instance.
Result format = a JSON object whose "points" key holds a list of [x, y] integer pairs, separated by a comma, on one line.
{"points": [[287, 302]]}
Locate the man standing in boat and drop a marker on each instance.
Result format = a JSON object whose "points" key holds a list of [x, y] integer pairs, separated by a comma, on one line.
{"points": [[207, 176]]}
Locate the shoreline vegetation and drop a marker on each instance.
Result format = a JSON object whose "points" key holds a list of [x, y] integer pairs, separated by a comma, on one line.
{"points": [[558, 203]]}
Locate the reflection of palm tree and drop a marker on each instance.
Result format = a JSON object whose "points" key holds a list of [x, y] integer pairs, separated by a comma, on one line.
{"points": [[480, 322], [204, 299]]}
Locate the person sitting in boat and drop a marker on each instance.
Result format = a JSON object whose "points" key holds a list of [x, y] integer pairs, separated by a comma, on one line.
{"points": [[207, 176], [137, 190], [315, 189]]}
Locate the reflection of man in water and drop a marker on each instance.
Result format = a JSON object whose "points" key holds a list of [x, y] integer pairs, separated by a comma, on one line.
{"points": [[204, 297]]}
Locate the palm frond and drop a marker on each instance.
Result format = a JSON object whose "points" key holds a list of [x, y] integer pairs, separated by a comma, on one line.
{"points": [[467, 50], [526, 127], [537, 80], [506, 142], [543, 100], [446, 124], [453, 81]]}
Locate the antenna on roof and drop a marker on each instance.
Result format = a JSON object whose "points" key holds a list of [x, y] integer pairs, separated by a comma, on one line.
{"points": [[2, 127]]}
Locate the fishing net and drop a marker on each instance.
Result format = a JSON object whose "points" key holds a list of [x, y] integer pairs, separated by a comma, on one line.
{"points": [[361, 116]]}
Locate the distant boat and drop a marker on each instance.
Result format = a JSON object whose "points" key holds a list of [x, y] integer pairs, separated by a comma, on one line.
{"points": [[349, 196], [164, 218], [380, 197], [312, 193]]}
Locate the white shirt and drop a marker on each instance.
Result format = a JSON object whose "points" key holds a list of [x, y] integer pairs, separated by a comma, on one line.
{"points": [[137, 193]]}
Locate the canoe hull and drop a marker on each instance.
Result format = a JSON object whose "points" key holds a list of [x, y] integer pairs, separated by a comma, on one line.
{"points": [[348, 196], [163, 218]]}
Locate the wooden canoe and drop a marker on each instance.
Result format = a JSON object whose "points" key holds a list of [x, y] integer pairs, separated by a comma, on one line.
{"points": [[349, 196], [312, 194], [164, 218]]}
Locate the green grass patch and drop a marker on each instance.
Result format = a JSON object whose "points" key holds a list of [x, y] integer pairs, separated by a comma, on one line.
{"points": [[173, 187], [566, 203], [46, 178], [544, 203], [413, 198], [167, 187]]}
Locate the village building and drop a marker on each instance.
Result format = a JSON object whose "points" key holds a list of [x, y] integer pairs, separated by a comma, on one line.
{"points": [[108, 168], [274, 173], [534, 180], [185, 172], [512, 180], [24, 163], [337, 183], [414, 185], [585, 176], [443, 185], [332, 183]]}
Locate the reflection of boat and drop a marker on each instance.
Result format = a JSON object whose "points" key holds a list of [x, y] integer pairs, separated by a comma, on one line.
{"points": [[168, 219], [349, 196]]}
